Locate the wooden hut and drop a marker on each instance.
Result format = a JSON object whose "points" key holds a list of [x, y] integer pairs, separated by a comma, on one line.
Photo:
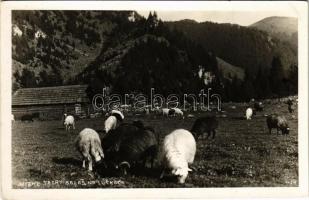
{"points": [[51, 102]]}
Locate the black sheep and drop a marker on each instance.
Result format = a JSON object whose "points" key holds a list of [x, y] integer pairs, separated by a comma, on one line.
{"points": [[112, 140], [202, 125], [171, 112], [27, 117], [141, 147], [129, 144], [278, 122]]}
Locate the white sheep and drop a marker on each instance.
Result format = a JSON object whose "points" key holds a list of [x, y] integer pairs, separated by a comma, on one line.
{"points": [[190, 116], [88, 143], [165, 111], [179, 112], [68, 122], [111, 122], [178, 151], [249, 113]]}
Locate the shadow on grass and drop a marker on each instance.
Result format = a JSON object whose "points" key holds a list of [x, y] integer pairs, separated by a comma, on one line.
{"points": [[67, 161], [139, 171]]}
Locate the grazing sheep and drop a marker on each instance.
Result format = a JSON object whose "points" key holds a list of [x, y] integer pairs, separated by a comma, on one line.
{"points": [[29, 117], [142, 146], [171, 112], [178, 151], [178, 112], [88, 143], [112, 140], [26, 118], [147, 111], [157, 110], [69, 122], [291, 106], [165, 111], [258, 106], [111, 122], [190, 116], [202, 125], [233, 107], [278, 122], [130, 143], [249, 113]]}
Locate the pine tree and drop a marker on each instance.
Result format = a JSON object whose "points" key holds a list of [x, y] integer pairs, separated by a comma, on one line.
{"points": [[27, 78]]}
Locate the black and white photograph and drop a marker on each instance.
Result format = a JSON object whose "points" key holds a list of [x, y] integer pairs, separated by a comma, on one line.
{"points": [[152, 98]]}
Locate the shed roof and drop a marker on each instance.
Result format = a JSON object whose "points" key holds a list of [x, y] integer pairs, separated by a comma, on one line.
{"points": [[50, 95]]}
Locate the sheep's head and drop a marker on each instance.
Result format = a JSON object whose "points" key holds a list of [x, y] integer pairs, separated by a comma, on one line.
{"points": [[181, 174]]}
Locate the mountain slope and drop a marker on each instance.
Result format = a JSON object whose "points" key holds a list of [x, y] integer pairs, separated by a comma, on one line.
{"points": [[245, 47], [52, 47], [282, 28], [146, 56], [287, 25], [229, 71], [131, 54]]}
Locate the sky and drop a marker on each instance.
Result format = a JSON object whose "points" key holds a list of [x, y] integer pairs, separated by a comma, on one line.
{"points": [[235, 17]]}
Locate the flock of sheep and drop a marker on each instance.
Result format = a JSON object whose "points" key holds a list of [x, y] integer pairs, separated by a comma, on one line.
{"points": [[275, 120], [124, 145]]}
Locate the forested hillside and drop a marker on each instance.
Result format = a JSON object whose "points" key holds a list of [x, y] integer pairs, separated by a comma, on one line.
{"points": [[282, 28], [248, 48], [52, 47], [130, 53]]}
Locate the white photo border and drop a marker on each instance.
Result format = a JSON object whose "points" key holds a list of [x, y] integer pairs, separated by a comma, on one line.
{"points": [[300, 8]]}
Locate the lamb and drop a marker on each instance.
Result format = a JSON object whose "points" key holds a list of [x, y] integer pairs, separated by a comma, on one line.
{"points": [[111, 122], [278, 122], [178, 151], [202, 125], [249, 113], [88, 143], [68, 122]]}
